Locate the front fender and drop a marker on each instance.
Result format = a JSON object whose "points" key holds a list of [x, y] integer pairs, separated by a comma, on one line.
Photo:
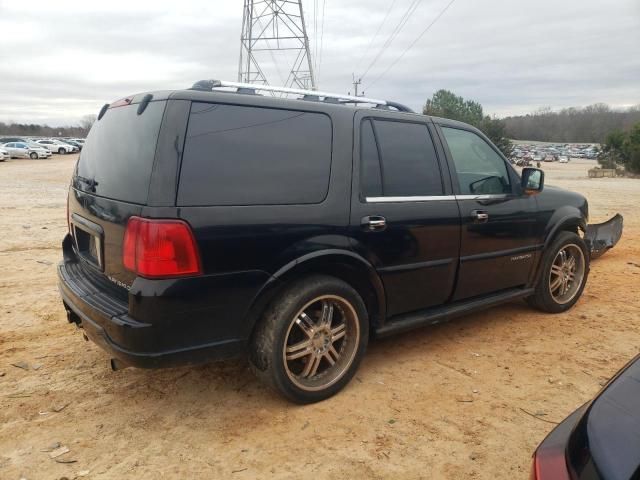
{"points": [[564, 218]]}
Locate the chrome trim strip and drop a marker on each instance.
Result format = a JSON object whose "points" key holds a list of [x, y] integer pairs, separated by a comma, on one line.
{"points": [[481, 197], [433, 198], [410, 199]]}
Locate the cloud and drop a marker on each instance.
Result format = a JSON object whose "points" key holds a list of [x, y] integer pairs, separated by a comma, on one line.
{"points": [[62, 60]]}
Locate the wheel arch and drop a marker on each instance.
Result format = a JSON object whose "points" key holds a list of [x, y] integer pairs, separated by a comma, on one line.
{"points": [[343, 264], [567, 221]]}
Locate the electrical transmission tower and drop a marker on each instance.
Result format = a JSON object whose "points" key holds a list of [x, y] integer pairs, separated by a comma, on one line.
{"points": [[276, 28]]}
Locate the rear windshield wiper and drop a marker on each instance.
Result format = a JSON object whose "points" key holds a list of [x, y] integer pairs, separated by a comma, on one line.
{"points": [[90, 183]]}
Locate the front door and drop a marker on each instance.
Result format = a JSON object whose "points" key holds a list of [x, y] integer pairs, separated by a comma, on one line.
{"points": [[498, 242], [404, 218]]}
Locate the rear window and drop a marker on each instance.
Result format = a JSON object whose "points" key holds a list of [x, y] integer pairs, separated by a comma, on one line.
{"points": [[398, 159], [236, 155], [117, 157]]}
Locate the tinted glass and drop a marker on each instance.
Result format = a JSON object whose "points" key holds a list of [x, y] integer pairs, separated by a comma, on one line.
{"points": [[237, 155], [117, 158], [479, 168], [409, 163], [370, 163]]}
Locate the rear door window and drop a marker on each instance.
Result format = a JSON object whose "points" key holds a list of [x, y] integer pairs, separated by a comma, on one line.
{"points": [[398, 159], [237, 155], [117, 158]]}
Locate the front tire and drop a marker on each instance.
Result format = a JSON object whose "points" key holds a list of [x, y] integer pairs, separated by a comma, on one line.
{"points": [[62, 151], [33, 156], [565, 269], [311, 339]]}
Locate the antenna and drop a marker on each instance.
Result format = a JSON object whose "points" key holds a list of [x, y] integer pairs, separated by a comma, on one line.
{"points": [[275, 27]]}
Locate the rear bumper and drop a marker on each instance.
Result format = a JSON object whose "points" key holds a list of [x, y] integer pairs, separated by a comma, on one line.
{"points": [[105, 319], [93, 326]]}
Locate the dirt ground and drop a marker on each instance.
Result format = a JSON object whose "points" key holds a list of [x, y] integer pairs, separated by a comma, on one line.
{"points": [[442, 402]]}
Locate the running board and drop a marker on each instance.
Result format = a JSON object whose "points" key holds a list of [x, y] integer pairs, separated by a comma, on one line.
{"points": [[409, 321]]}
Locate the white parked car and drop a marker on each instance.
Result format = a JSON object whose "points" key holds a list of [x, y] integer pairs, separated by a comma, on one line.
{"points": [[23, 150], [56, 146], [36, 146], [4, 155], [563, 159]]}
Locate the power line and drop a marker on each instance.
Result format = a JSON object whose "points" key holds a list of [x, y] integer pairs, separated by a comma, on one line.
{"points": [[315, 34], [375, 35], [412, 43], [396, 31], [324, 4]]}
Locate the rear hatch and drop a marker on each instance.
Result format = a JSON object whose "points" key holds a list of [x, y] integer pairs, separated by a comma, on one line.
{"points": [[111, 183]]}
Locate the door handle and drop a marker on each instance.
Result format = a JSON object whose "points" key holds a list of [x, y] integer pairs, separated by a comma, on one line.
{"points": [[480, 216], [374, 223]]}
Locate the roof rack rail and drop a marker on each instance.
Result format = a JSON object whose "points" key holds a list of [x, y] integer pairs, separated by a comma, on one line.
{"points": [[309, 95]]}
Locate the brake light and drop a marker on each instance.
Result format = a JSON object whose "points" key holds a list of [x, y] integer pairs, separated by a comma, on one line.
{"points": [[160, 248], [549, 464]]}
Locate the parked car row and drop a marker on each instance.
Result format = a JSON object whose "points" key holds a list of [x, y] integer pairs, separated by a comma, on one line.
{"points": [[35, 148], [525, 154]]}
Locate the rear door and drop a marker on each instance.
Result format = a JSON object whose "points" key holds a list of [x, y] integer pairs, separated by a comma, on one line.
{"points": [[404, 218], [498, 242], [111, 183]]}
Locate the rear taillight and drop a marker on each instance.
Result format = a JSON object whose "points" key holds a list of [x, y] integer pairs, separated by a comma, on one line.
{"points": [[549, 464], [160, 248]]}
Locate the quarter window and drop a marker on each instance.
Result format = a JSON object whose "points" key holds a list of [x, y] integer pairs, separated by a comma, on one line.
{"points": [[479, 168], [236, 155], [398, 160]]}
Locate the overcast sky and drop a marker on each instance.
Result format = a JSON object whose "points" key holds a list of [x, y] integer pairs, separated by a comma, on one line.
{"points": [[64, 59]]}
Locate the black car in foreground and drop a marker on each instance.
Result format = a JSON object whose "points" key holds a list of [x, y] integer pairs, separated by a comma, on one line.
{"points": [[600, 440], [206, 223]]}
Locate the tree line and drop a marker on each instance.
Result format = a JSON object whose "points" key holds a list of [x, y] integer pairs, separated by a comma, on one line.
{"points": [[589, 124], [36, 130]]}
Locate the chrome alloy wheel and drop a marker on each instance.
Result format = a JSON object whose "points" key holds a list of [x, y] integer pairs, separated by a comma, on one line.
{"points": [[321, 342], [567, 273]]}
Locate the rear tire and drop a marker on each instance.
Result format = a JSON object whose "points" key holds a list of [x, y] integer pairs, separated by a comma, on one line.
{"points": [[565, 269], [311, 339], [62, 151]]}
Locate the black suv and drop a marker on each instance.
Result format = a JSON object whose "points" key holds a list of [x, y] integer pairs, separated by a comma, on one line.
{"points": [[205, 223]]}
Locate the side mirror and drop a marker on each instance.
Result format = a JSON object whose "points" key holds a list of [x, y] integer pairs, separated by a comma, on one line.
{"points": [[532, 180]]}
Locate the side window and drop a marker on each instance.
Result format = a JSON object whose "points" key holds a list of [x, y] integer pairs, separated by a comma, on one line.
{"points": [[236, 155], [479, 168], [407, 165], [11, 145]]}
